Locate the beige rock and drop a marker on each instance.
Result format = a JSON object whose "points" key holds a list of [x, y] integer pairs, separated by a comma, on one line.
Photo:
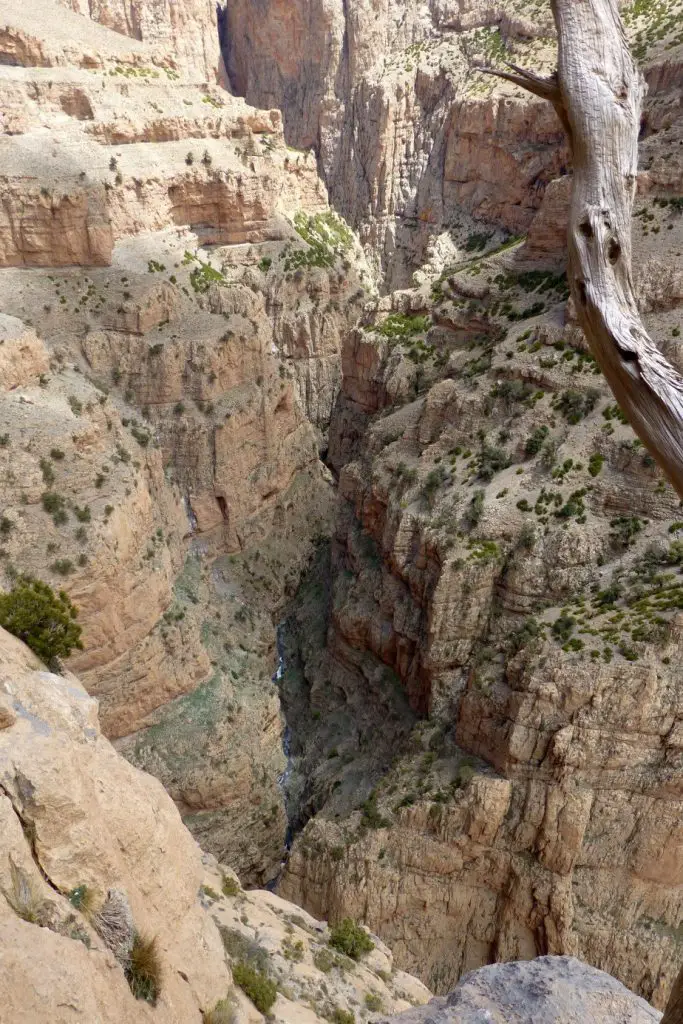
{"points": [[185, 31], [96, 821], [23, 357]]}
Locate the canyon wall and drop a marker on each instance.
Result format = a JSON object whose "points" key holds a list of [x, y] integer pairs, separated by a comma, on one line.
{"points": [[174, 291], [506, 554]]}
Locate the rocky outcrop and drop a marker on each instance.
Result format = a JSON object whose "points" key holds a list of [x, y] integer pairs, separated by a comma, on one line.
{"points": [[83, 833], [184, 32], [559, 990], [74, 815]]}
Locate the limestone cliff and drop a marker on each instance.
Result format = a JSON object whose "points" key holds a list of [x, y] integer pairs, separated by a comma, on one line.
{"points": [[506, 558], [411, 142], [174, 292]]}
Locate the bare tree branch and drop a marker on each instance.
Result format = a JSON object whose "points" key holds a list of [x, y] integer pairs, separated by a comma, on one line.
{"points": [[546, 88], [598, 94]]}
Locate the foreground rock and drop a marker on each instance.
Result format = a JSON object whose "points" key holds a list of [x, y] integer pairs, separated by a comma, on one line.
{"points": [[76, 818], [554, 990]]}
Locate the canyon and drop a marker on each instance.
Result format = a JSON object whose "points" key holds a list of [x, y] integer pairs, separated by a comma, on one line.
{"points": [[373, 575]]}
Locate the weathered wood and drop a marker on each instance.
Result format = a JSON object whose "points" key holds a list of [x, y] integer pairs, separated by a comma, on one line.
{"points": [[598, 93]]}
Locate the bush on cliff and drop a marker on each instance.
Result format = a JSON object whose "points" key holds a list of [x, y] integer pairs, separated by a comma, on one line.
{"points": [[255, 984], [348, 937], [45, 621]]}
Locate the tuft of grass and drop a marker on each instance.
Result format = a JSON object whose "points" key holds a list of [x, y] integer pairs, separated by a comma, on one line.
{"points": [[23, 897], [256, 985], [340, 1016], [144, 971], [373, 1002], [224, 1012], [350, 938], [210, 893]]}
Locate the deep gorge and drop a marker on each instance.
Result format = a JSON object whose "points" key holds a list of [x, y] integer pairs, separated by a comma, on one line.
{"points": [[373, 574]]}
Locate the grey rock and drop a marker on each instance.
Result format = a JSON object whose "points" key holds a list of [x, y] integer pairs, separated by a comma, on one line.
{"points": [[550, 990]]}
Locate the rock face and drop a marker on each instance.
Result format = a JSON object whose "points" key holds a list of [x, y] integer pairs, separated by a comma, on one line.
{"points": [[409, 142], [556, 990], [183, 32], [74, 814], [481, 671], [76, 817], [166, 406], [499, 557]]}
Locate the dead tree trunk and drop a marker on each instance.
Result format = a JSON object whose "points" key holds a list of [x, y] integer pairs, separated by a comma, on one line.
{"points": [[598, 93]]}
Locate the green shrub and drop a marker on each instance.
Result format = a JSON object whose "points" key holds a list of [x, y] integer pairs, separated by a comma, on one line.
{"points": [[574, 405], [85, 899], [535, 441], [230, 886], [340, 1016], [372, 817], [464, 775], [398, 326], [476, 508], [624, 530], [143, 970], [264, 264], [47, 471], [525, 634], [491, 461], [595, 463], [256, 985], [349, 938], [477, 241], [373, 1002], [434, 480], [563, 627], [45, 621], [55, 505]]}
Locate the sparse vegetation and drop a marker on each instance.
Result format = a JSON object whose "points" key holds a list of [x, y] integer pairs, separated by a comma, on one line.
{"points": [[224, 1012], [143, 970], [24, 896], [230, 886], [373, 1002], [255, 984]]}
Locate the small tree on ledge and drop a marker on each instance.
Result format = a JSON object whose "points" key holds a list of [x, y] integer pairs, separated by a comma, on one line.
{"points": [[45, 621]]}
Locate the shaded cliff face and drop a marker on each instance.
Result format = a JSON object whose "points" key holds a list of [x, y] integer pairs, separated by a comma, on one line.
{"points": [[410, 141], [507, 551], [174, 291]]}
